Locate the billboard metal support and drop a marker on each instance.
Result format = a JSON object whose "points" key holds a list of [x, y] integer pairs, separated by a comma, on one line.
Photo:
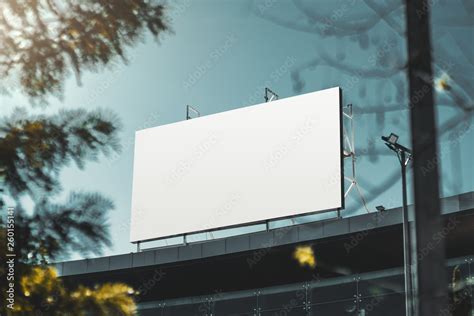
{"points": [[270, 95], [350, 152], [185, 240], [189, 110]]}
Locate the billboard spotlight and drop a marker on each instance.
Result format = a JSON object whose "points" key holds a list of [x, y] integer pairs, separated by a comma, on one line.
{"points": [[392, 139], [392, 142]]}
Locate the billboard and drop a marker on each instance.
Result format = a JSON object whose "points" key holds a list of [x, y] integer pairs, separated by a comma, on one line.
{"points": [[261, 162]]}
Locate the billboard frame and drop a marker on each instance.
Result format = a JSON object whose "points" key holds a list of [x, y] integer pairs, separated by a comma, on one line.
{"points": [[259, 222]]}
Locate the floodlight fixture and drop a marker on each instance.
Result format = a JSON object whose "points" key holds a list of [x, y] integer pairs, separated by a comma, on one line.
{"points": [[393, 138], [380, 208], [391, 142]]}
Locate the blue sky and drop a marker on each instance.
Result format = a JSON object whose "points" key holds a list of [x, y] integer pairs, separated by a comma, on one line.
{"points": [[221, 55]]}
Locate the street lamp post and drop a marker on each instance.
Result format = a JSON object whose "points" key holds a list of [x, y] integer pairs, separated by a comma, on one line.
{"points": [[404, 156]]}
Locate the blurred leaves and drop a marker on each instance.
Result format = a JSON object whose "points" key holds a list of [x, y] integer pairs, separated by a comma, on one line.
{"points": [[33, 151], [41, 40], [55, 230], [35, 148]]}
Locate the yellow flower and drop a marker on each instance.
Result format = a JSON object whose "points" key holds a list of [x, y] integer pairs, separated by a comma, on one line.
{"points": [[305, 256], [43, 282]]}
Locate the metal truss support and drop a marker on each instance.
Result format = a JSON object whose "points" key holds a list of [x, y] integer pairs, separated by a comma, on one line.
{"points": [[350, 152]]}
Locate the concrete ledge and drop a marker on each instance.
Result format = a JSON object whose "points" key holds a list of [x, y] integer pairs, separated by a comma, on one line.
{"points": [[284, 236], [74, 267], [213, 248], [237, 244], [336, 227], [59, 267], [310, 231], [121, 262], [262, 240], [362, 223], [255, 241], [466, 201], [450, 204], [190, 252], [388, 218], [98, 264], [166, 255], [145, 258]]}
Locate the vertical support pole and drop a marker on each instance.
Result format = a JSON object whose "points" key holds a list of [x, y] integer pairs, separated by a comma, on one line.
{"points": [[431, 274], [138, 247], [308, 299], [190, 109], [257, 309], [471, 277], [161, 307], [357, 295], [406, 240]]}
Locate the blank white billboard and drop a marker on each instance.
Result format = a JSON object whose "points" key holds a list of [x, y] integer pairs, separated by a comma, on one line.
{"points": [[261, 162]]}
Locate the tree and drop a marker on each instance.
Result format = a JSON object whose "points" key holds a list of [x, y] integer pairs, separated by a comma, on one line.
{"points": [[44, 39], [40, 42]]}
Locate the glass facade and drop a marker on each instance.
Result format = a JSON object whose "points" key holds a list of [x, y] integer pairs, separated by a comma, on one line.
{"points": [[375, 293]]}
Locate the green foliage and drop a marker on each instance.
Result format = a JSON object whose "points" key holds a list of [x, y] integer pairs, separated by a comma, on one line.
{"points": [[35, 148], [40, 42], [43, 39], [55, 230]]}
